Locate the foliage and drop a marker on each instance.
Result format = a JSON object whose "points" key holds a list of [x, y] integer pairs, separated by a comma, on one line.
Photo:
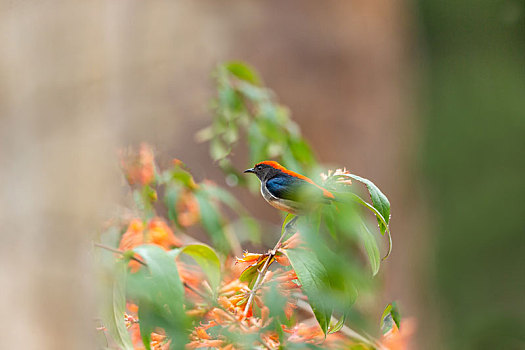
{"points": [[164, 289]]}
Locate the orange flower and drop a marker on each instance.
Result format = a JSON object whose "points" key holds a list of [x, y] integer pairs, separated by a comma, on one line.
{"points": [[399, 338], [337, 177], [190, 275], [132, 308], [160, 233], [205, 344], [233, 287], [200, 333], [292, 242], [302, 333], [158, 342], [282, 259], [248, 258], [132, 238], [138, 168], [219, 316], [187, 209]]}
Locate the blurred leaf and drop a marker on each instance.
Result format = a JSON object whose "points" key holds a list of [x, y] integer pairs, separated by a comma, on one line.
{"points": [[115, 307], [390, 316], [242, 105], [207, 260], [179, 176], [163, 271], [160, 294], [352, 196], [289, 217], [361, 346], [205, 134], [337, 327], [218, 149], [211, 220], [146, 322], [144, 199], [371, 249], [171, 197], [379, 201], [243, 71], [224, 196], [313, 278]]}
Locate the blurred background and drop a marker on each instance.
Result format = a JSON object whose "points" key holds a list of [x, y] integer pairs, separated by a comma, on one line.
{"points": [[426, 98]]}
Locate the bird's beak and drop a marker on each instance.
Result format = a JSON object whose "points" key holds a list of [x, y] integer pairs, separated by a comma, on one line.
{"points": [[249, 171]]}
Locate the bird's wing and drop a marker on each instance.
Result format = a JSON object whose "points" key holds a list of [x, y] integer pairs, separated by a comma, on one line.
{"points": [[293, 188]]}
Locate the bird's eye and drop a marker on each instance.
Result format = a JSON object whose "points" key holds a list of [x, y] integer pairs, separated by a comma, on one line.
{"points": [[259, 167]]}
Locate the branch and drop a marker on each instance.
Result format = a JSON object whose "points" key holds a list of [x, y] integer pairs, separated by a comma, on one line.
{"points": [[118, 252], [262, 272]]}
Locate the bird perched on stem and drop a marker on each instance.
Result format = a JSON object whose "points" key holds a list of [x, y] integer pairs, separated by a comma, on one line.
{"points": [[289, 191]]}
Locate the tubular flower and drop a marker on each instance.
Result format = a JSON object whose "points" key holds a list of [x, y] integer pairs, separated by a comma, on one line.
{"points": [[138, 168], [160, 233], [282, 259], [133, 237], [191, 276], [248, 258], [201, 339], [292, 242], [339, 177], [187, 209]]}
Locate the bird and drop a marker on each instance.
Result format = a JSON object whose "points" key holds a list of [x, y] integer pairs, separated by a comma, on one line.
{"points": [[289, 191]]}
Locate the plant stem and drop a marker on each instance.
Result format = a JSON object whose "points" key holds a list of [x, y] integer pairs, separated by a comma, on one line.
{"points": [[262, 272], [118, 252]]}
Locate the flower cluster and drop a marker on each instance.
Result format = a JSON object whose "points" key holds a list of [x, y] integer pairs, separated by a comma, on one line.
{"points": [[236, 313]]}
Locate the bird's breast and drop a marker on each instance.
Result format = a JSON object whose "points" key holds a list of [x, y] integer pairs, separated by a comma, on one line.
{"points": [[279, 203]]}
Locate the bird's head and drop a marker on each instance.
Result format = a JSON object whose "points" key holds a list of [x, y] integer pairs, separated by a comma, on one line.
{"points": [[266, 170]]}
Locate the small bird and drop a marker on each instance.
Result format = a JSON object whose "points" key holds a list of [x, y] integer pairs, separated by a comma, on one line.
{"points": [[289, 191]]}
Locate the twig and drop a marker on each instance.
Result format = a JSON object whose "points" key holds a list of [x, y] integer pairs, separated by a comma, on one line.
{"points": [[198, 292], [118, 252], [256, 286], [262, 272]]}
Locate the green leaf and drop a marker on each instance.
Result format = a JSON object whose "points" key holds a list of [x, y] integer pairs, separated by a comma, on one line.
{"points": [[243, 72], [390, 316], [144, 199], [289, 217], [160, 294], [224, 196], [146, 322], [115, 307], [218, 149], [355, 197], [337, 327], [250, 274], [163, 271], [314, 283], [211, 221], [205, 134], [371, 248], [207, 260], [379, 201], [171, 197]]}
